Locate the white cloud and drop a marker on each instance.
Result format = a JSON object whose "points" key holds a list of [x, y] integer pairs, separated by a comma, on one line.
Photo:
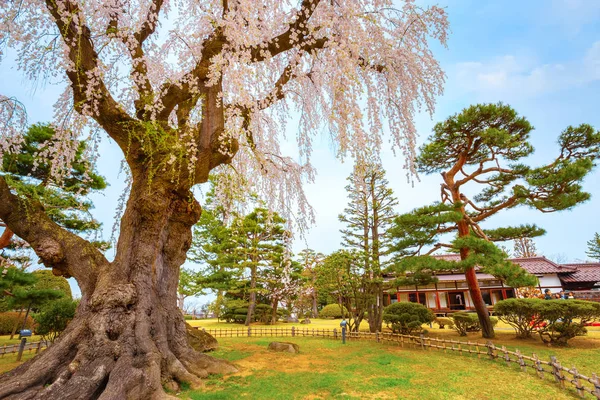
{"points": [[515, 75]]}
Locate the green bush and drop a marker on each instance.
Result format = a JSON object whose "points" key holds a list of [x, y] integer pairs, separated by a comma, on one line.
{"points": [[468, 322], [521, 314], [407, 318], [565, 319], [188, 317], [9, 319], [556, 321], [54, 317], [443, 322], [333, 311]]}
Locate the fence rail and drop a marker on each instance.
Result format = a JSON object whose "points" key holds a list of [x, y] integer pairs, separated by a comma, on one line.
{"points": [[552, 368], [30, 346]]}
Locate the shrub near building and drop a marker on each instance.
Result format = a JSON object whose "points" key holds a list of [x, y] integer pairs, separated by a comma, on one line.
{"points": [[406, 318], [556, 321]]}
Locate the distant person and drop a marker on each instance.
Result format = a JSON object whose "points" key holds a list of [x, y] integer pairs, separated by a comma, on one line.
{"points": [[562, 295], [570, 296], [547, 294], [557, 296]]}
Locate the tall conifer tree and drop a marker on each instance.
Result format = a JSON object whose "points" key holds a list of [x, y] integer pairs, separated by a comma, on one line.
{"points": [[369, 214]]}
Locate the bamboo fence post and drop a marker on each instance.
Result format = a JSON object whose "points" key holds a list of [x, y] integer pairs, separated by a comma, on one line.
{"points": [[491, 350], [444, 343], [596, 383], [249, 331], [477, 349], [506, 357], [422, 341], [39, 346], [538, 366], [4, 351], [521, 361], [557, 371], [576, 382], [293, 331]]}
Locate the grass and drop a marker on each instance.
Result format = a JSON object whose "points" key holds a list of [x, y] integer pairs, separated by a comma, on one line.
{"points": [[9, 361], [356, 370]]}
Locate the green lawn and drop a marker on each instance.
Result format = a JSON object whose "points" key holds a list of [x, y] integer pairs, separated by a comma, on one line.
{"points": [[328, 369]]}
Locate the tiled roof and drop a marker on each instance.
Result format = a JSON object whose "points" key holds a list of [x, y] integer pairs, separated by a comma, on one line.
{"points": [[586, 272], [533, 265]]}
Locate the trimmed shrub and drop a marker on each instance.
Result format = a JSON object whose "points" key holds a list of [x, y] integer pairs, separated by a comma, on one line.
{"points": [[566, 319], [188, 317], [9, 319], [556, 321], [443, 322], [468, 322], [521, 314], [333, 311], [407, 318]]}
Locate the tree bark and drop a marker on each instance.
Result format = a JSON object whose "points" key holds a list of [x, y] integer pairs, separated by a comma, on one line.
{"points": [[315, 308], [487, 330], [274, 307], [128, 339], [252, 302]]}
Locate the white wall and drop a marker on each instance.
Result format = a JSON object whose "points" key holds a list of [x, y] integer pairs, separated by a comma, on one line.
{"points": [[550, 281]]}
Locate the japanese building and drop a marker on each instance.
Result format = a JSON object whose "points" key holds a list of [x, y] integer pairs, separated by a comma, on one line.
{"points": [[450, 293]]}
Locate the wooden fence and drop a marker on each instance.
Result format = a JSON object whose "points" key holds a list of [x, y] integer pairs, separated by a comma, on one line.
{"points": [[551, 368], [29, 346]]}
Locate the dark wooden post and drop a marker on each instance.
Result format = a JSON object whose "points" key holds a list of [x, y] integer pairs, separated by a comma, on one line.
{"points": [[538, 366], [596, 383], [21, 348], [491, 350], [521, 360], [293, 331], [576, 382], [39, 346], [557, 371], [249, 331], [422, 336]]}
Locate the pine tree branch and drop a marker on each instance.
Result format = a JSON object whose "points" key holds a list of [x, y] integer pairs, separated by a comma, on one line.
{"points": [[66, 253]]}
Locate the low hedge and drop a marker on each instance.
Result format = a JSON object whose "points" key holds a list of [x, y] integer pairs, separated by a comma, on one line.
{"points": [[333, 311], [10, 318]]}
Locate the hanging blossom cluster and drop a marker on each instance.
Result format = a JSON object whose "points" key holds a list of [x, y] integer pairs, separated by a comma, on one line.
{"points": [[357, 69]]}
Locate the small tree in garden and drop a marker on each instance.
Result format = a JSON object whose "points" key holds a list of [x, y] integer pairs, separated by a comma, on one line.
{"points": [[53, 318], [406, 318], [479, 151], [593, 250], [521, 314], [183, 89], [342, 275]]}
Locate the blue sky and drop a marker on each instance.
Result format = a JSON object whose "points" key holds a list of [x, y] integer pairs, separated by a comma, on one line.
{"points": [[541, 57]]}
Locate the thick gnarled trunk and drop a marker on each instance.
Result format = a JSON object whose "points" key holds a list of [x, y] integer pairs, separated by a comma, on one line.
{"points": [[128, 339]]}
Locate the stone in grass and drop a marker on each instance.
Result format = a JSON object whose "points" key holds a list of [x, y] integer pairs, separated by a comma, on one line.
{"points": [[285, 347], [201, 340]]}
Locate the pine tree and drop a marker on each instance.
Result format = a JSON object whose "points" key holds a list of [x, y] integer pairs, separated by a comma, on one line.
{"points": [[593, 250], [525, 247], [368, 216], [482, 147], [259, 239], [64, 201]]}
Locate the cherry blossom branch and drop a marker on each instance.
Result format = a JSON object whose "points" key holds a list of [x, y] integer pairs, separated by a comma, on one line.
{"points": [[90, 94]]}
